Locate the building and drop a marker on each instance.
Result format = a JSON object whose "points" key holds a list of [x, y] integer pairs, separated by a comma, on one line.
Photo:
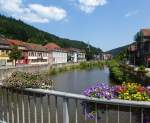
{"points": [[132, 53], [23, 48], [31, 53], [139, 51], [76, 55], [37, 54], [142, 39], [4, 52], [57, 55]]}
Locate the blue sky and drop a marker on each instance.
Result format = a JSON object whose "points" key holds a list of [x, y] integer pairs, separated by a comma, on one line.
{"points": [[106, 24]]}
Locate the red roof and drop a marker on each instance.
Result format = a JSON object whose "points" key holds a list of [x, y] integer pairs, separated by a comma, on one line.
{"points": [[52, 46], [15, 42], [28, 46], [35, 47], [146, 32]]}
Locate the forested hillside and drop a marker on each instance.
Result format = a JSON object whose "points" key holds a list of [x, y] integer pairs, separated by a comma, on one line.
{"points": [[16, 29], [118, 50]]}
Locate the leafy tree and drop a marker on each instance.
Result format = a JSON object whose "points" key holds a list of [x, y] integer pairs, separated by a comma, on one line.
{"points": [[15, 53]]}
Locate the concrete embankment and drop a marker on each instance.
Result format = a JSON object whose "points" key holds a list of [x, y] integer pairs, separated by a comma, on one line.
{"points": [[8, 70]]}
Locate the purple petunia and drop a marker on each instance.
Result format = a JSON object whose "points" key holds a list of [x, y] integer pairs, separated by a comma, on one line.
{"points": [[100, 90]]}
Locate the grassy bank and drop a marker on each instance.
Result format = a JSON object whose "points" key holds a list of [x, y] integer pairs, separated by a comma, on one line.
{"points": [[115, 71], [82, 66], [123, 72]]}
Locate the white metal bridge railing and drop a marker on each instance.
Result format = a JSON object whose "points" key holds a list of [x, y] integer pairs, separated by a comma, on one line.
{"points": [[13, 108]]}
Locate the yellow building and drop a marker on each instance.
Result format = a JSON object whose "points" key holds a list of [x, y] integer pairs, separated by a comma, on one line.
{"points": [[4, 51]]}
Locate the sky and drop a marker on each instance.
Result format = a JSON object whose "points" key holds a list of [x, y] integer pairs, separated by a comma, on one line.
{"points": [[105, 24]]}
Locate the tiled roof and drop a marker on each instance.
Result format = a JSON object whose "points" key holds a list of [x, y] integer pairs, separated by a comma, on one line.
{"points": [[28, 46], [35, 47], [16, 42], [4, 41], [146, 32], [52, 46]]}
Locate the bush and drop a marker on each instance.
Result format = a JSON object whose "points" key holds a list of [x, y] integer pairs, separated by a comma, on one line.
{"points": [[28, 80], [115, 71], [142, 69]]}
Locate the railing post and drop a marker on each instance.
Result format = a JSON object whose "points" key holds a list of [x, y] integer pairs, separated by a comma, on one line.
{"points": [[118, 111], [29, 113], [142, 115], [12, 106], [41, 103], [76, 106], [35, 109], [65, 111], [8, 106], [96, 115], [85, 112], [49, 110], [130, 114], [23, 113], [107, 119], [3, 113], [56, 110], [18, 115]]}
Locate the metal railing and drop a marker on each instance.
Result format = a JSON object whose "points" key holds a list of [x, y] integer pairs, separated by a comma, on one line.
{"points": [[16, 106]]}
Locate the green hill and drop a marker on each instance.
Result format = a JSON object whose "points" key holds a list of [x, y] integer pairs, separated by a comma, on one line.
{"points": [[118, 50], [16, 29]]}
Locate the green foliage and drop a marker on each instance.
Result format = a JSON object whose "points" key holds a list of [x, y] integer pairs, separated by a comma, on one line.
{"points": [[141, 68], [122, 56], [15, 53], [115, 71], [28, 80], [17, 29]]}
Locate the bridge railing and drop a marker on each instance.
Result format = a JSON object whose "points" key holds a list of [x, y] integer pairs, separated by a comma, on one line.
{"points": [[16, 107]]}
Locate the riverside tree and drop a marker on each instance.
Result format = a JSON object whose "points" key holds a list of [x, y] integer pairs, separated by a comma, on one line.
{"points": [[15, 54]]}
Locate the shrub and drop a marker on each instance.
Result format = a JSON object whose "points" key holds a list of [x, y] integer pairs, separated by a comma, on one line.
{"points": [[28, 80]]}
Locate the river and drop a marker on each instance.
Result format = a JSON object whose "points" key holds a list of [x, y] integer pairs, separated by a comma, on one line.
{"points": [[78, 80]]}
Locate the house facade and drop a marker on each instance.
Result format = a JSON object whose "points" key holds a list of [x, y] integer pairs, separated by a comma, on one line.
{"points": [[4, 52], [76, 55], [37, 54], [31, 53], [56, 55]]}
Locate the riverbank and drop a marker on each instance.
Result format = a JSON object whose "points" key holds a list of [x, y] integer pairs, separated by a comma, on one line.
{"points": [[123, 72], [79, 66]]}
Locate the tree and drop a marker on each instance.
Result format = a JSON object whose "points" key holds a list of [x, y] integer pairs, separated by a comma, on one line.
{"points": [[15, 53]]}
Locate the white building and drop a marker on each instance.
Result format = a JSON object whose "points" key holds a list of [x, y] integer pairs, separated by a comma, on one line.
{"points": [[75, 55], [37, 54], [57, 55]]}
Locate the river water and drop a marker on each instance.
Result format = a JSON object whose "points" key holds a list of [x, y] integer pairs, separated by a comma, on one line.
{"points": [[75, 82], [78, 80]]}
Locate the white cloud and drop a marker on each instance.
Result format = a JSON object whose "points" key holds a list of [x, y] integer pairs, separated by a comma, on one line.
{"points": [[89, 6], [34, 13], [132, 13], [50, 12]]}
